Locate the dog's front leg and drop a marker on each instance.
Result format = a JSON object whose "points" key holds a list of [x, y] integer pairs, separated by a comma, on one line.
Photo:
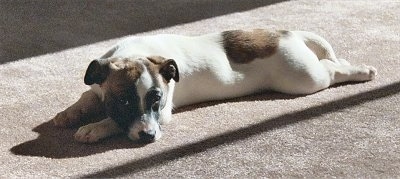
{"points": [[96, 131], [165, 115], [166, 112], [88, 106]]}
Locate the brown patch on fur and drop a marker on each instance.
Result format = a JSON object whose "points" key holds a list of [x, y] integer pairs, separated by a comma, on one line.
{"points": [[245, 46], [158, 60], [166, 67], [123, 73], [155, 65]]}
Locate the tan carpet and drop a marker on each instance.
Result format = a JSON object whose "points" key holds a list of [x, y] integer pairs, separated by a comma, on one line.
{"points": [[349, 131]]}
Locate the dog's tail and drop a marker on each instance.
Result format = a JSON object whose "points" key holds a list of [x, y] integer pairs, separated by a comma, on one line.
{"points": [[318, 45]]}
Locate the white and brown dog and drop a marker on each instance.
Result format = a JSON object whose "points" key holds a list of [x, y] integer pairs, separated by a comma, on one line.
{"points": [[136, 82]]}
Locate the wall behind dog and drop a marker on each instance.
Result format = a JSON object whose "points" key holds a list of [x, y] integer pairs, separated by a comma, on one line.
{"points": [[31, 28]]}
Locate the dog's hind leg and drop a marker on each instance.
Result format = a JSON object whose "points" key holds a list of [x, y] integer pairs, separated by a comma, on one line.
{"points": [[87, 107], [342, 71]]}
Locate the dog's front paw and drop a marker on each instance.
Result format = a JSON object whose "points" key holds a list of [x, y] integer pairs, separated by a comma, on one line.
{"points": [[88, 134], [67, 118], [165, 117]]}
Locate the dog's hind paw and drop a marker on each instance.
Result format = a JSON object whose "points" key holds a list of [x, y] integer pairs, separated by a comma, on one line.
{"points": [[343, 62], [372, 72]]}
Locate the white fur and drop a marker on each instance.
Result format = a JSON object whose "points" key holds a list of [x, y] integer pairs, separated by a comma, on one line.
{"points": [[144, 83], [207, 74]]}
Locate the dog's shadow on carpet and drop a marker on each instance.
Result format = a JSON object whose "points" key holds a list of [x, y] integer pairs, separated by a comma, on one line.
{"points": [[55, 142]]}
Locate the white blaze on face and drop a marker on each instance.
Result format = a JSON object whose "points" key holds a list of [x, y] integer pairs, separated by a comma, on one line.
{"points": [[145, 82], [146, 122]]}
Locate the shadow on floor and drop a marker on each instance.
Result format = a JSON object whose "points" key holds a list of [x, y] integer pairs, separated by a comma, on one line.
{"points": [[54, 142], [31, 28], [244, 133]]}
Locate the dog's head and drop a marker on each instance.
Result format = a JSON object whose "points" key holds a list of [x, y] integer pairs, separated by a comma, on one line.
{"points": [[134, 92]]}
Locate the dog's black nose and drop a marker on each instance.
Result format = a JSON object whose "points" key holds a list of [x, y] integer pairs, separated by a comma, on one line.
{"points": [[148, 136]]}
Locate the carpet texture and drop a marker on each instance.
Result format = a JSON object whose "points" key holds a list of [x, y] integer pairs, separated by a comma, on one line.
{"points": [[350, 130]]}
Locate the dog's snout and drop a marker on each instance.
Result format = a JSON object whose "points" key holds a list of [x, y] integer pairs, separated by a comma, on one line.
{"points": [[148, 136]]}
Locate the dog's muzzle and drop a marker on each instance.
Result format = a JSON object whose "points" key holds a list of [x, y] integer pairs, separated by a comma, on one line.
{"points": [[145, 130]]}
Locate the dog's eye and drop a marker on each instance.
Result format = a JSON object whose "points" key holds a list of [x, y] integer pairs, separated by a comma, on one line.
{"points": [[156, 102], [153, 96], [156, 98], [124, 102]]}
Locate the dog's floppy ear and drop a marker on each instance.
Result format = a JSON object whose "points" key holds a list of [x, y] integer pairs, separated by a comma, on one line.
{"points": [[169, 70], [97, 72]]}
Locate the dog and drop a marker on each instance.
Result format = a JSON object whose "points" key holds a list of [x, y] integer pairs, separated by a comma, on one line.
{"points": [[139, 81]]}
